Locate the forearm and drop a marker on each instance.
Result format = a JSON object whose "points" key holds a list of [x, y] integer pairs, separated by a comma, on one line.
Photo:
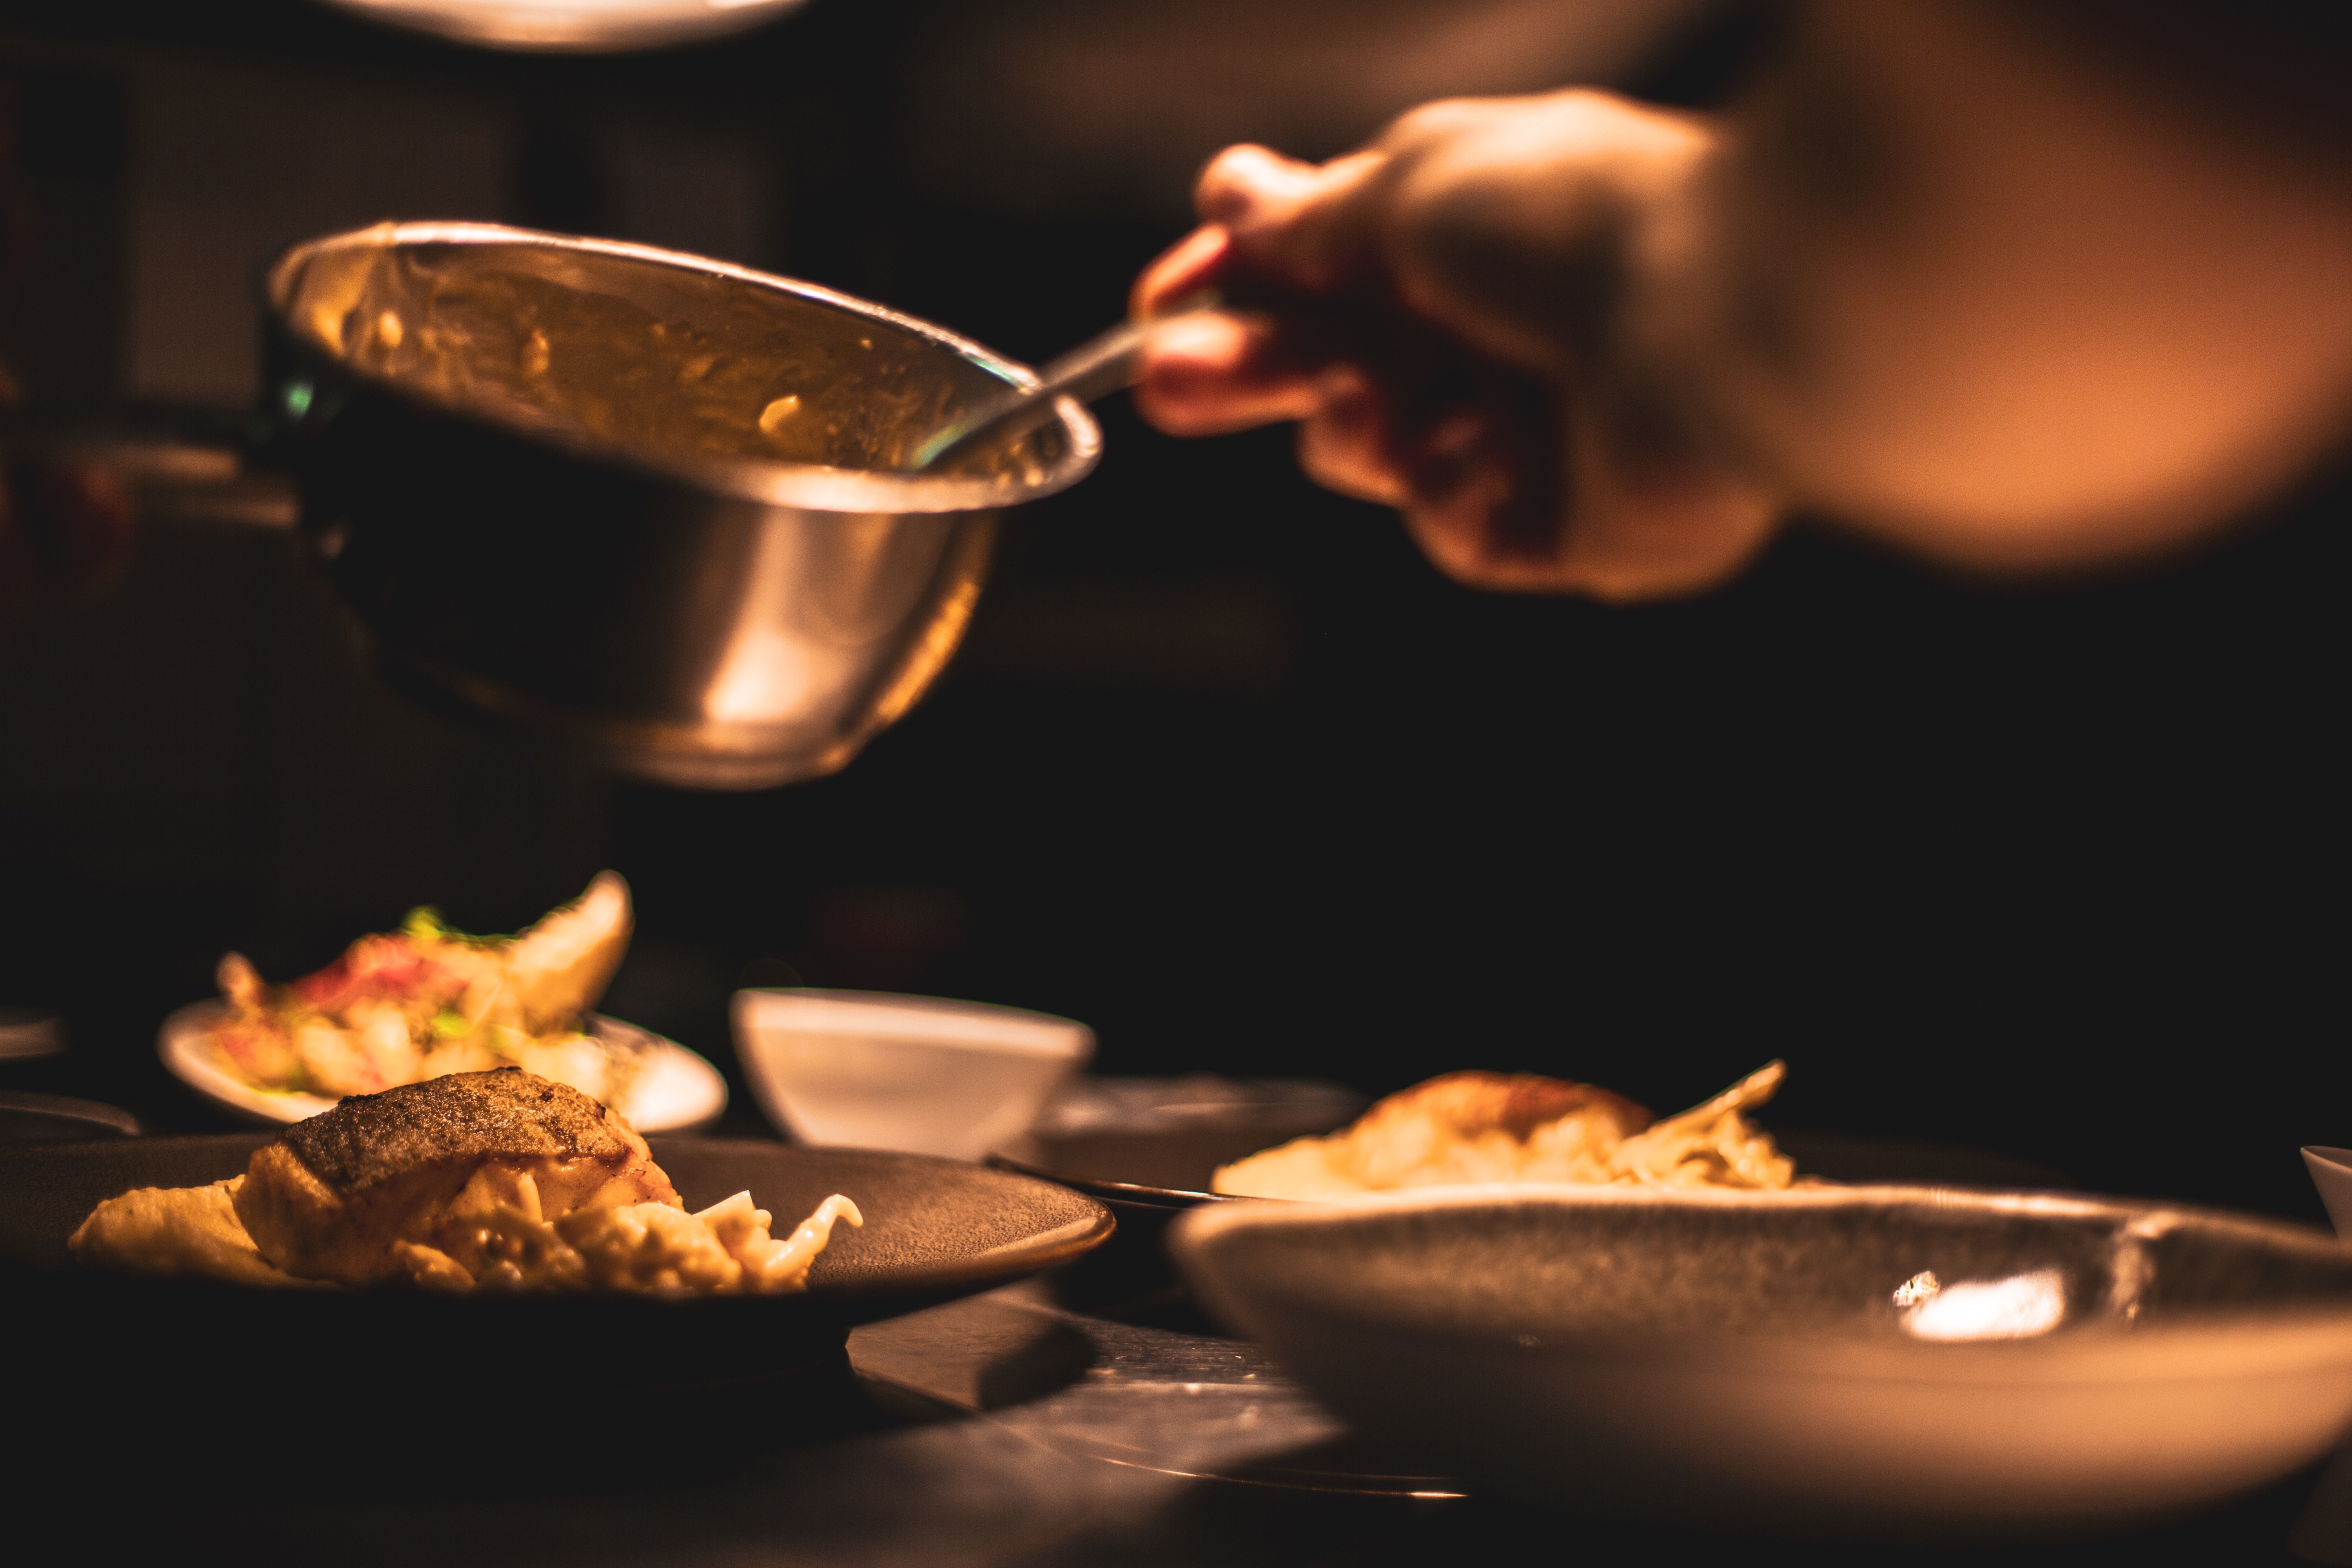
{"points": [[1934, 276], [1936, 281]]}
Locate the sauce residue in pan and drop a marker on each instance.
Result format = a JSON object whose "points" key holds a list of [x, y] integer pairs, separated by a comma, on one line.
{"points": [[663, 363]]}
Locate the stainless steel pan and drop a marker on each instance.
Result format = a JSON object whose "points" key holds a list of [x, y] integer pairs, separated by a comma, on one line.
{"points": [[653, 504]]}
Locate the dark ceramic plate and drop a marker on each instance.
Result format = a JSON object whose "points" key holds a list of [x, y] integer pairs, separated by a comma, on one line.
{"points": [[1146, 1148], [27, 1117], [1143, 1143], [935, 1230]]}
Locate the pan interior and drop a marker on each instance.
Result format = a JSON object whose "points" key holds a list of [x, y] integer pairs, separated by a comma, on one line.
{"points": [[675, 363]]}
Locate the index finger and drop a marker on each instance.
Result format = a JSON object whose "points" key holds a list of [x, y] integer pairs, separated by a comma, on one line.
{"points": [[1267, 225], [1298, 228]]}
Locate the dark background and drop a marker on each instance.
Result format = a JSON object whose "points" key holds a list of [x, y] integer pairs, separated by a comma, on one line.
{"points": [[1226, 769]]}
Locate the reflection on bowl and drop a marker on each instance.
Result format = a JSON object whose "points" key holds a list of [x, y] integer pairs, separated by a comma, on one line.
{"points": [[914, 1073]]}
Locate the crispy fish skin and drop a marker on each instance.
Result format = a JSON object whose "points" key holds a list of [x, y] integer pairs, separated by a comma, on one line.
{"points": [[336, 1196]]}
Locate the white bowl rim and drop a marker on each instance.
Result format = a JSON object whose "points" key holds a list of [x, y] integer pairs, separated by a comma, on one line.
{"points": [[883, 1015]]}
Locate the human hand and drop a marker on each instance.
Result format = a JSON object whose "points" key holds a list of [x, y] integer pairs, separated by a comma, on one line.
{"points": [[1454, 316]]}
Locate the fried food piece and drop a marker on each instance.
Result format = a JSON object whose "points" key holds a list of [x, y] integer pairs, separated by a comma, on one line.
{"points": [[178, 1233], [1474, 1127], [1471, 1105], [1462, 1126], [1711, 1144], [726, 1247], [558, 968], [361, 1193]]}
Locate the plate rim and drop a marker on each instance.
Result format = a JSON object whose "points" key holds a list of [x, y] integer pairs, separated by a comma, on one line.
{"points": [[1141, 1195], [177, 1046], [1194, 1239]]}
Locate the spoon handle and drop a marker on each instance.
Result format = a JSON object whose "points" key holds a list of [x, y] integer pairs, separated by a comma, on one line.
{"points": [[1096, 368]]}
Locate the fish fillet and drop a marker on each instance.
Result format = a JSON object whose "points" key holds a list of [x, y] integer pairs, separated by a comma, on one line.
{"points": [[375, 1190]]}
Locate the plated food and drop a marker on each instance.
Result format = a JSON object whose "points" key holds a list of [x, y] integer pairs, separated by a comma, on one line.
{"points": [[425, 1000], [402, 1006], [493, 1181], [1478, 1127]]}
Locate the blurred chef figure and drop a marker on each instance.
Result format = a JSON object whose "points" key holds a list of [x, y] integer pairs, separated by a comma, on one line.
{"points": [[2020, 286]]}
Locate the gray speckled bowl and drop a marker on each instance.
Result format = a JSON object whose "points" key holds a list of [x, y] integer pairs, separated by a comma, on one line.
{"points": [[1779, 1357]]}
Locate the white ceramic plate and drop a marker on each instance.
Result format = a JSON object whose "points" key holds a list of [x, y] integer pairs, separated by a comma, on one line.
{"points": [[1778, 1358], [677, 1089]]}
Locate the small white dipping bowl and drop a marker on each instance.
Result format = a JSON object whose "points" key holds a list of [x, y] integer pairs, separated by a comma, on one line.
{"points": [[874, 1071]]}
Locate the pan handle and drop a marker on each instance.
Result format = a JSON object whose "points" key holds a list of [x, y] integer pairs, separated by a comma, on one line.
{"points": [[1096, 368]]}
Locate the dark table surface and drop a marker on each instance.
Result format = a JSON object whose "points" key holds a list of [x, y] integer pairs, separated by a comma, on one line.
{"points": [[1062, 1420], [1004, 1429]]}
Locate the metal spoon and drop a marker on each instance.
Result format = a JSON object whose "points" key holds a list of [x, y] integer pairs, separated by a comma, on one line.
{"points": [[1096, 368]]}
